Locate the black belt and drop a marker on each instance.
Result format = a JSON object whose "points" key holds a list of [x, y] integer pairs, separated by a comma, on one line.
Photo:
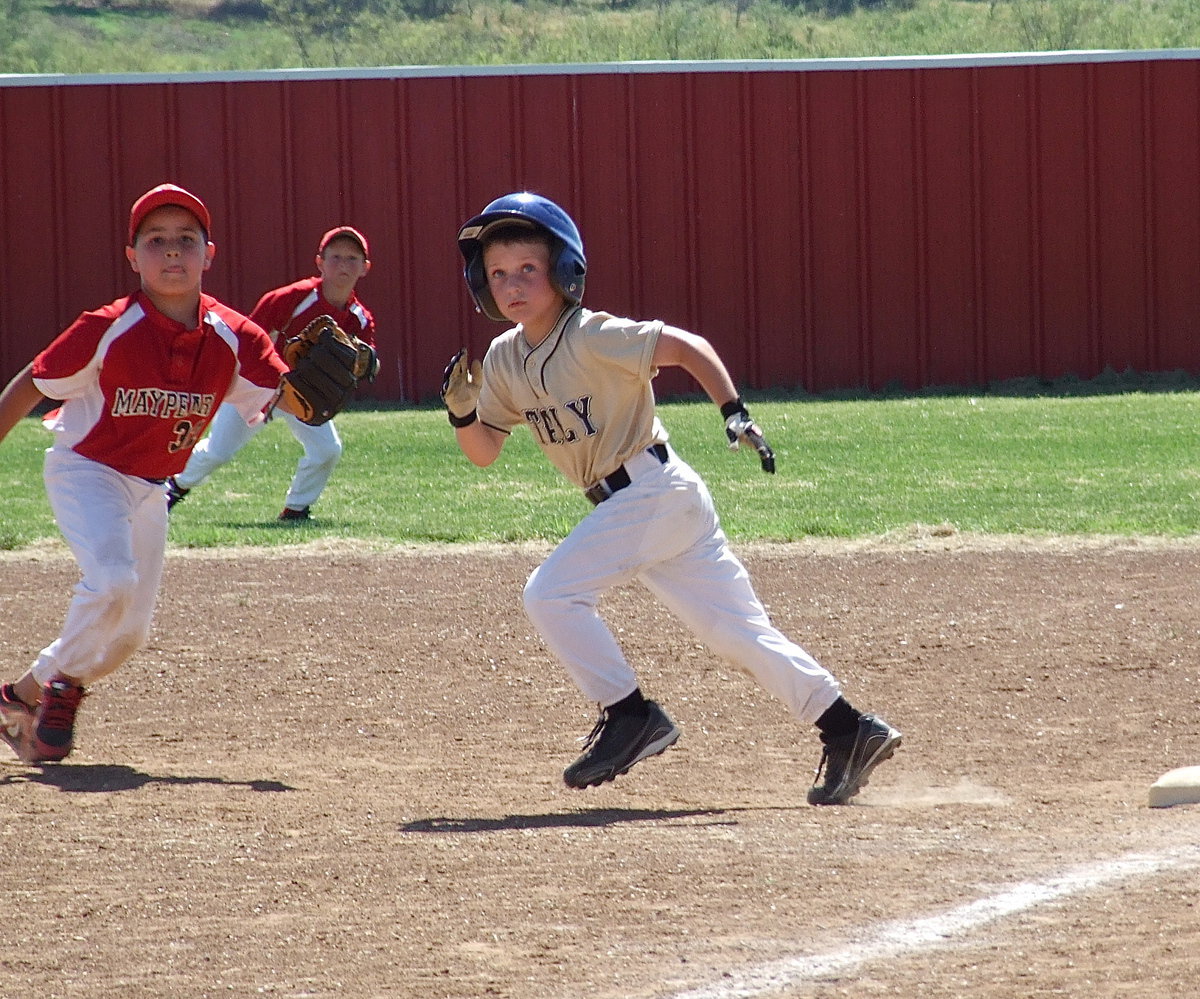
{"points": [[619, 479]]}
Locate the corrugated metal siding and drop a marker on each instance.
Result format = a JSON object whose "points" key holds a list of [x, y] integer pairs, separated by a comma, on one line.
{"points": [[827, 225]]}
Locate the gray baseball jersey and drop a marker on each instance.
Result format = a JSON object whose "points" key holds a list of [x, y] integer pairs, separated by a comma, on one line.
{"points": [[584, 392]]}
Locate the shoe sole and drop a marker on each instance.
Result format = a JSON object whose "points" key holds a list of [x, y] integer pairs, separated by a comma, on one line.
{"points": [[884, 753], [655, 748], [20, 742], [48, 754]]}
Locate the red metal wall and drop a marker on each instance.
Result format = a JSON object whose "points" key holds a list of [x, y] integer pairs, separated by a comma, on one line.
{"points": [[827, 224]]}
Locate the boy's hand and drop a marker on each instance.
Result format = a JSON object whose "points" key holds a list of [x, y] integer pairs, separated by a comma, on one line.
{"points": [[461, 384], [740, 429]]}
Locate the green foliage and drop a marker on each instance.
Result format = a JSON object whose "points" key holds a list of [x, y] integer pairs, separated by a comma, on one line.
{"points": [[840, 8], [328, 23], [20, 27], [1113, 456], [106, 36]]}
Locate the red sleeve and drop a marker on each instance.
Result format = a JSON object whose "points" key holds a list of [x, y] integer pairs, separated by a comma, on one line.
{"points": [[276, 310], [260, 362], [75, 347], [273, 311], [257, 360]]}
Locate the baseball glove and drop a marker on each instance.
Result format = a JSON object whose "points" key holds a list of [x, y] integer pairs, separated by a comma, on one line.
{"points": [[327, 364], [740, 429]]}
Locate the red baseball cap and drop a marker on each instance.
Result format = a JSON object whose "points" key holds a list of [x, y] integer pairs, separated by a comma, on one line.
{"points": [[344, 230], [166, 194]]}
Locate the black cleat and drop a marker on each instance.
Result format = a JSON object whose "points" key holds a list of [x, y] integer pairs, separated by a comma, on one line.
{"points": [[618, 741], [849, 759], [175, 492]]}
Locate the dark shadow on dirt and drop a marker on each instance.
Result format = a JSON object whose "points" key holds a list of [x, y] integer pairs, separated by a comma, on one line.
{"points": [[116, 777], [561, 820]]}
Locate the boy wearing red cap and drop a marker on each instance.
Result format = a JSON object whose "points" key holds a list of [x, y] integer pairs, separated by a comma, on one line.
{"points": [[343, 258], [139, 380]]}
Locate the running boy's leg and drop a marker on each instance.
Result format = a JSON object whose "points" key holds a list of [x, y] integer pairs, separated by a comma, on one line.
{"points": [[322, 452], [116, 528], [710, 591], [604, 550]]}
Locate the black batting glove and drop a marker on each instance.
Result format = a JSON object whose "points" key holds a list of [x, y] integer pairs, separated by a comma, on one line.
{"points": [[461, 384], [740, 429]]}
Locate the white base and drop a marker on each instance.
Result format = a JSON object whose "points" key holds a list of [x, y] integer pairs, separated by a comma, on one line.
{"points": [[1176, 787]]}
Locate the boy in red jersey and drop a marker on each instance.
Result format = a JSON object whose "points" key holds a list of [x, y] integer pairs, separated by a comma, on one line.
{"points": [[140, 379], [343, 258]]}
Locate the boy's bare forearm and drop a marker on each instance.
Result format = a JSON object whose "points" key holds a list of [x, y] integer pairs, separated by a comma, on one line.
{"points": [[18, 399], [698, 357], [714, 378], [480, 443]]}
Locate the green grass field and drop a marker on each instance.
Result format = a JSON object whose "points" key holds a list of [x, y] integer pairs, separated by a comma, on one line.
{"points": [[1096, 459]]}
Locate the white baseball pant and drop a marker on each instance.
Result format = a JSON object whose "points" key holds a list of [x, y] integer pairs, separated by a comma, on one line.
{"points": [[662, 529], [116, 527], [229, 433]]}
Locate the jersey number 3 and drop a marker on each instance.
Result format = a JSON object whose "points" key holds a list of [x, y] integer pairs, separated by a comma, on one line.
{"points": [[186, 436]]}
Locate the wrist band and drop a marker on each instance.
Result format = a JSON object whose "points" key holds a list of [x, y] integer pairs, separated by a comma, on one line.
{"points": [[461, 421], [733, 406]]}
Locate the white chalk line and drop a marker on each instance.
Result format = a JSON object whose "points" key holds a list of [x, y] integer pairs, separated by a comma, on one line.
{"points": [[895, 938]]}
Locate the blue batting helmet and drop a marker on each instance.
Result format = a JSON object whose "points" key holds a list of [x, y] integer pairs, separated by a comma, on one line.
{"points": [[568, 266]]}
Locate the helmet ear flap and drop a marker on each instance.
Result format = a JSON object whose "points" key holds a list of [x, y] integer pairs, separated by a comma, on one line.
{"points": [[569, 271], [478, 285]]}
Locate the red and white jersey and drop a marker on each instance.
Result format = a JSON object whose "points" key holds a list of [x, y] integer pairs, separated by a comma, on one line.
{"points": [[285, 311], [140, 389]]}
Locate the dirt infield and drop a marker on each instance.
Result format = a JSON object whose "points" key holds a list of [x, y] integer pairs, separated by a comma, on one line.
{"points": [[373, 806]]}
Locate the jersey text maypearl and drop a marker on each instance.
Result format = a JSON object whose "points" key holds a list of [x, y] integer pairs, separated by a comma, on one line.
{"points": [[161, 403]]}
